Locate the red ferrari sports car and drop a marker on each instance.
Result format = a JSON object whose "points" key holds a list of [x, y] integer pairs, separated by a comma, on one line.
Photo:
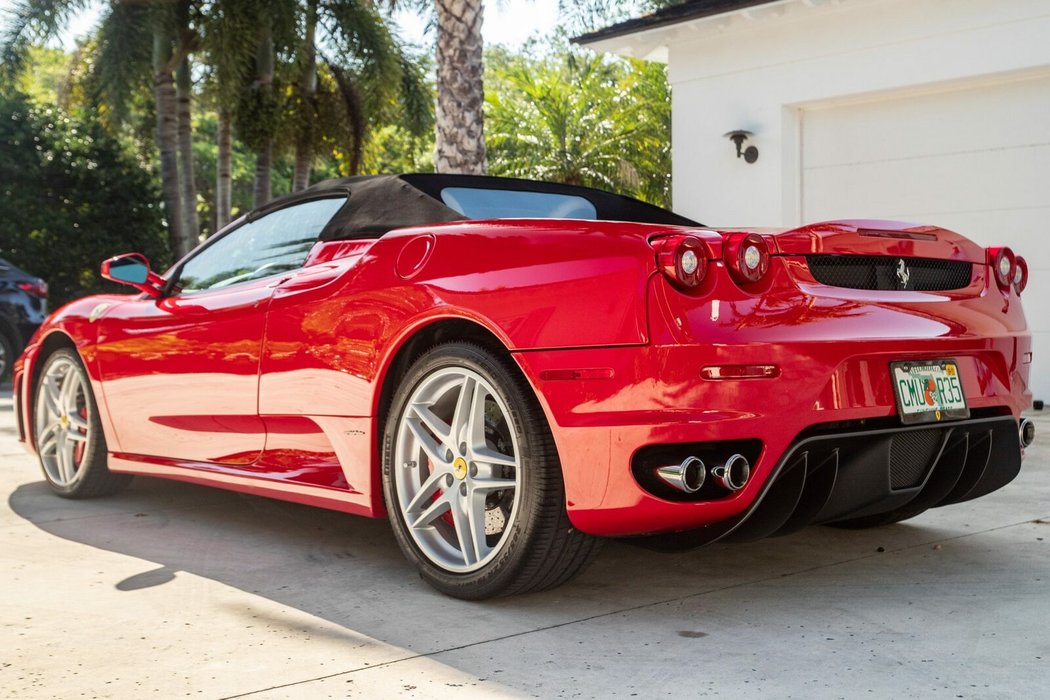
{"points": [[512, 370]]}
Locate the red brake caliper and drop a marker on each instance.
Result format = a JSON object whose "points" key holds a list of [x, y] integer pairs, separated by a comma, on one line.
{"points": [[78, 451]]}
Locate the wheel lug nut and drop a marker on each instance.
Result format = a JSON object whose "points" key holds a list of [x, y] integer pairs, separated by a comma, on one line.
{"points": [[448, 479], [473, 469], [463, 448], [448, 455], [463, 489]]}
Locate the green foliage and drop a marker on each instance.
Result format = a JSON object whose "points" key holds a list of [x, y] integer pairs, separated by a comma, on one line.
{"points": [[121, 59], [394, 149], [574, 117], [49, 80], [28, 21], [553, 112], [70, 196], [205, 160], [258, 113]]}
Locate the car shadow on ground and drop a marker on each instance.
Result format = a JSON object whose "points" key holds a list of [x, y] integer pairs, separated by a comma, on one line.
{"points": [[957, 580], [348, 570]]}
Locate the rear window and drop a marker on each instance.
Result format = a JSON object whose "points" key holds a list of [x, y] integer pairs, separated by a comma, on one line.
{"points": [[480, 203]]}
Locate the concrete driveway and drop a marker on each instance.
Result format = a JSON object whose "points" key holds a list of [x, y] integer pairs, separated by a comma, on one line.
{"points": [[177, 590]]}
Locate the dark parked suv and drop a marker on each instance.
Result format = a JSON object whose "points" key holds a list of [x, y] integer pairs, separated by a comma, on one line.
{"points": [[23, 306]]}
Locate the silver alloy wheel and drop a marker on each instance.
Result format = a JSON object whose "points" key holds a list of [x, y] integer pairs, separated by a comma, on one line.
{"points": [[62, 422], [456, 469]]}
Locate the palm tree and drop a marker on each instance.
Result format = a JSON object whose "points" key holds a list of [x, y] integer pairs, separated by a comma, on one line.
{"points": [[362, 75], [135, 40], [124, 32], [187, 43], [264, 100], [271, 104], [229, 36], [307, 88], [223, 170], [460, 144], [167, 134], [582, 120]]}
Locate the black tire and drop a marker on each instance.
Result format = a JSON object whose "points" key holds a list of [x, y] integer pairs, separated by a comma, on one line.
{"points": [[88, 474], [7, 356], [538, 548]]}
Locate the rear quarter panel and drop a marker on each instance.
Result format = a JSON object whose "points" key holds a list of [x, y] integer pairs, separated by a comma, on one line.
{"points": [[533, 284]]}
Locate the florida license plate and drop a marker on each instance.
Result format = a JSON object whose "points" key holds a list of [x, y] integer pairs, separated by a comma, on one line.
{"points": [[928, 391]]}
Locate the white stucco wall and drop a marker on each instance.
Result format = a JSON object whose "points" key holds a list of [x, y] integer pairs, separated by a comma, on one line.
{"points": [[757, 75]]}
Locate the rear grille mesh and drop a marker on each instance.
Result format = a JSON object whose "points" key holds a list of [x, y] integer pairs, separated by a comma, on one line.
{"points": [[889, 273], [910, 455]]}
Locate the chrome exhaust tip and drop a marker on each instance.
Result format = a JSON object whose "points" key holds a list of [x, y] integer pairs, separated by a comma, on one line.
{"points": [[1027, 432], [732, 475], [687, 477]]}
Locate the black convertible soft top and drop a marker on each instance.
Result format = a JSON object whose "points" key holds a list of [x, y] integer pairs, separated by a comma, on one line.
{"points": [[377, 204]]}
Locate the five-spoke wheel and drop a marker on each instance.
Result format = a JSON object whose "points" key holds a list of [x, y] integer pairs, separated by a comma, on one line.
{"points": [[472, 479], [68, 436], [457, 473]]}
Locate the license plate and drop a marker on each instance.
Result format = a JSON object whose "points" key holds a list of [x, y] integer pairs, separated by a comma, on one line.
{"points": [[928, 391]]}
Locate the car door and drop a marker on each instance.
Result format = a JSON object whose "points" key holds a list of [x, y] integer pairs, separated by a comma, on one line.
{"points": [[180, 374]]}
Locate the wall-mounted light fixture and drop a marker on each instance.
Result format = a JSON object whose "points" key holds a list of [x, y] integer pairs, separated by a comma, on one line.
{"points": [[750, 154]]}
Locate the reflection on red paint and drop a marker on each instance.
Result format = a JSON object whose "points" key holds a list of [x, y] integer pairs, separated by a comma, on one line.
{"points": [[275, 386]]}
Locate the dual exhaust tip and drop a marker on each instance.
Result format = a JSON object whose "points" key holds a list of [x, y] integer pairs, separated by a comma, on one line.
{"points": [[690, 475], [1027, 432], [732, 475]]}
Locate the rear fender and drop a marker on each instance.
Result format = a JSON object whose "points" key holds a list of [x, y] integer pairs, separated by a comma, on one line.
{"points": [[539, 284]]}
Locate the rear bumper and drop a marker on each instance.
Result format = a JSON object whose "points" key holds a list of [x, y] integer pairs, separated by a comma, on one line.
{"points": [[892, 473], [655, 397]]}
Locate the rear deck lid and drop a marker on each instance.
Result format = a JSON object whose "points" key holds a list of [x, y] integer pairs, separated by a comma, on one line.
{"points": [[874, 237]]}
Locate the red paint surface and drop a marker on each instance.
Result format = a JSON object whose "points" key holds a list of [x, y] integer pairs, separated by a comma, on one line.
{"points": [[273, 386]]}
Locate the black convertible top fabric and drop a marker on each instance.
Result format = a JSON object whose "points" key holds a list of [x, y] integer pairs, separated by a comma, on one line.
{"points": [[377, 204]]}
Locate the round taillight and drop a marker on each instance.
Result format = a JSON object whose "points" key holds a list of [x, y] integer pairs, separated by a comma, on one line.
{"points": [[683, 259], [688, 262], [1003, 267], [1002, 262], [1020, 274], [747, 257]]}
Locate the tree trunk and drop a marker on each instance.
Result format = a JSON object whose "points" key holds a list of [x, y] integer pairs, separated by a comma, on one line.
{"points": [[264, 60], [187, 185], [224, 170], [460, 146], [167, 139], [354, 112], [304, 145], [263, 193], [303, 165]]}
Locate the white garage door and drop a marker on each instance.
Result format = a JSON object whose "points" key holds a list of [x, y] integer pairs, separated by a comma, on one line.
{"points": [[974, 160]]}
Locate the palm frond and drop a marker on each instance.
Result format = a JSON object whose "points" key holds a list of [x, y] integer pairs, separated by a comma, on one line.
{"points": [[355, 114], [28, 21], [230, 36], [124, 55], [366, 44], [417, 96]]}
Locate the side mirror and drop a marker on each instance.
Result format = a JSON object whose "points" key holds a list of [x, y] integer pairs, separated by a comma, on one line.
{"points": [[133, 270]]}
